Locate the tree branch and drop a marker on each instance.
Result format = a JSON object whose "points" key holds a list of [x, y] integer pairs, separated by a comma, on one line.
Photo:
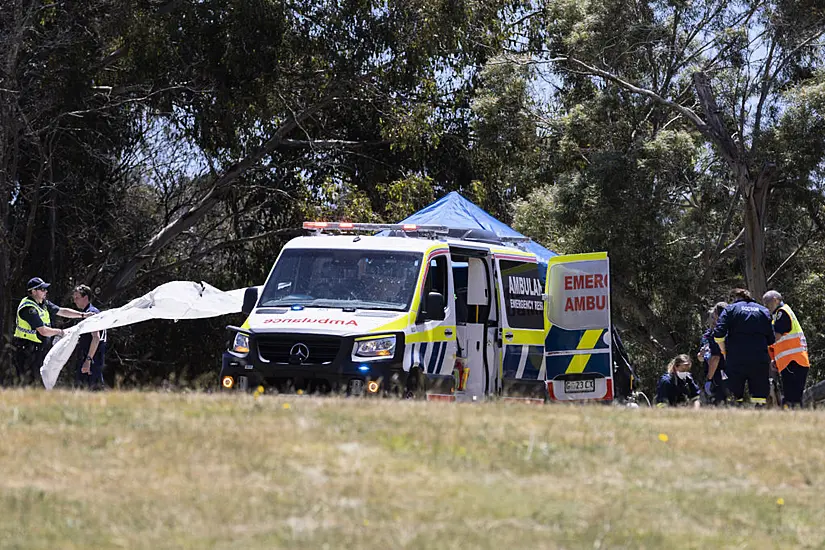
{"points": [[206, 203], [220, 246], [681, 109], [736, 242], [330, 144], [793, 255]]}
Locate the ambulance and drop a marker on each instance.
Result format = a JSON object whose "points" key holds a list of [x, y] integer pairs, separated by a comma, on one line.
{"points": [[425, 311]]}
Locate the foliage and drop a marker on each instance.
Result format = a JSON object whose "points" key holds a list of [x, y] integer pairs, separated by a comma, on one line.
{"points": [[155, 140]]}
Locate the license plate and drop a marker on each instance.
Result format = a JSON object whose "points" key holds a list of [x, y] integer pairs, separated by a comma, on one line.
{"points": [[579, 386]]}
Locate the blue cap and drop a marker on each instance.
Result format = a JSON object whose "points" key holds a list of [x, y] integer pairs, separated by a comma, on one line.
{"points": [[36, 283]]}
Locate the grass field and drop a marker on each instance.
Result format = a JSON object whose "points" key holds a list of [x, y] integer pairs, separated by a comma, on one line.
{"points": [[150, 470]]}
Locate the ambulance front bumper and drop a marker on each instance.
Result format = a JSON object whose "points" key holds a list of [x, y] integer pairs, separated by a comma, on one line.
{"points": [[312, 363]]}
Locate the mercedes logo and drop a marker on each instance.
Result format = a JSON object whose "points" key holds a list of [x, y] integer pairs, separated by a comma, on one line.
{"points": [[299, 352]]}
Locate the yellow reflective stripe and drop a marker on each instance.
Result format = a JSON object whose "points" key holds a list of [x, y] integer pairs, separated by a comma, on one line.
{"points": [[513, 252], [526, 337], [759, 400], [588, 341], [396, 325], [721, 340], [373, 337], [577, 364], [434, 335], [578, 257], [246, 324]]}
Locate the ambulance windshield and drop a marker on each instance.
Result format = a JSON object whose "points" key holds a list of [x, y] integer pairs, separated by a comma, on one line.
{"points": [[362, 279]]}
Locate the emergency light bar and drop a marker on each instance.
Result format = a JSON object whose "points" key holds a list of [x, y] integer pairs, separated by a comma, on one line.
{"points": [[514, 239], [320, 227]]}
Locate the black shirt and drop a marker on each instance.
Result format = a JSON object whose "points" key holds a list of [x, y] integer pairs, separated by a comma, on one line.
{"points": [[85, 341], [781, 322]]}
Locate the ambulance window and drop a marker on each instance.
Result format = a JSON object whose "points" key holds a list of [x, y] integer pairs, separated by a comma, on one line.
{"points": [[436, 279], [522, 291]]}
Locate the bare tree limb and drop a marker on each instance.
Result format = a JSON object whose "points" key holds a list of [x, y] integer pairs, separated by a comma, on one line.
{"points": [[734, 243], [220, 246], [681, 109], [205, 204], [331, 144], [793, 255]]}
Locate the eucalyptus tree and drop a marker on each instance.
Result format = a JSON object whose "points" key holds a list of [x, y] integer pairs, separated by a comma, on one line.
{"points": [[678, 126]]}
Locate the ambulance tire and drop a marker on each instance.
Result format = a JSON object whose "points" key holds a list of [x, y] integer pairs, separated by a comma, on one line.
{"points": [[416, 387]]}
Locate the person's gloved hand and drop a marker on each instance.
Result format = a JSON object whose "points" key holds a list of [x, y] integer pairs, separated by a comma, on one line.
{"points": [[708, 387]]}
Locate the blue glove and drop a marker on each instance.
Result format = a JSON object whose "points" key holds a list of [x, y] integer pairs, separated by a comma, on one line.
{"points": [[708, 387]]}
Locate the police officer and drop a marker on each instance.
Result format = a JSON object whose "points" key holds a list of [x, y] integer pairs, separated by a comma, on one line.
{"points": [[743, 333], [92, 346], [714, 361], [790, 352], [33, 331], [676, 386]]}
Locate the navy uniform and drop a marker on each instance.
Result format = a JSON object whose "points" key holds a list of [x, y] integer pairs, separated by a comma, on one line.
{"points": [[710, 348], [94, 380], [674, 391], [30, 346], [745, 328]]}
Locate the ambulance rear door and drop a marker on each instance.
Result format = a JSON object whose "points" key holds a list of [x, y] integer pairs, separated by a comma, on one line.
{"points": [[578, 350], [521, 333]]}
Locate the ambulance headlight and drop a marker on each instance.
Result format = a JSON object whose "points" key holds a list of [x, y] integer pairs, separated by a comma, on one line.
{"points": [[241, 343], [375, 348]]}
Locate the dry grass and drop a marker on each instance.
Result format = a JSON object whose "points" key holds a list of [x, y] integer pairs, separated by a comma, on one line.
{"points": [[148, 470]]}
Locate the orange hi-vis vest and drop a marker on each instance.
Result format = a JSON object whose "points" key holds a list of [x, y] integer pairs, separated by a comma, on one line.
{"points": [[791, 346]]}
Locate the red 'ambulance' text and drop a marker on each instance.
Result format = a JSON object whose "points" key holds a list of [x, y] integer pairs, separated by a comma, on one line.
{"points": [[587, 302]]}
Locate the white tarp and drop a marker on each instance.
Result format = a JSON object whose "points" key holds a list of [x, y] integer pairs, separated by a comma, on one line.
{"points": [[175, 300]]}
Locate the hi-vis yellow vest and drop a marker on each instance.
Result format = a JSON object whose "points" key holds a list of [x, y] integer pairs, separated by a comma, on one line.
{"points": [[23, 329], [791, 346]]}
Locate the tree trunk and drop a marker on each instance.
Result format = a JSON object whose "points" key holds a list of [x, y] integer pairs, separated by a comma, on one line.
{"points": [[755, 275], [755, 192]]}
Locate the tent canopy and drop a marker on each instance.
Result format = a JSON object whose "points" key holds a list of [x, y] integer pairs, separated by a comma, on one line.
{"points": [[453, 210]]}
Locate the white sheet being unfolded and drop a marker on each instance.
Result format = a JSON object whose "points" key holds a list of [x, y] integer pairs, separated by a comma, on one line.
{"points": [[175, 300]]}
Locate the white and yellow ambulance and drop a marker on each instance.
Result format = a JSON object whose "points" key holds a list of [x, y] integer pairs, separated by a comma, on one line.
{"points": [[419, 311]]}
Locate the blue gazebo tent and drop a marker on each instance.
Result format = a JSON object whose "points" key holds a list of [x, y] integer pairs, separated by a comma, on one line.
{"points": [[453, 210]]}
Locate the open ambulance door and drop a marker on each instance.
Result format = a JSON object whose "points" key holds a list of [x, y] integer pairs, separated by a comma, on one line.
{"points": [[578, 350], [521, 332]]}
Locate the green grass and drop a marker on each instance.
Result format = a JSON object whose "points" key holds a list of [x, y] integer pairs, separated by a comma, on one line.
{"points": [[150, 470]]}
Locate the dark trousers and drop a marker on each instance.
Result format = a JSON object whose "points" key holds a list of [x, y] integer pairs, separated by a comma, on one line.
{"points": [[93, 381], [756, 375], [28, 358], [719, 391], [793, 383]]}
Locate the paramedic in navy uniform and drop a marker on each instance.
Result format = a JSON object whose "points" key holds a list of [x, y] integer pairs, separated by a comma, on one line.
{"points": [[676, 386], [744, 331]]}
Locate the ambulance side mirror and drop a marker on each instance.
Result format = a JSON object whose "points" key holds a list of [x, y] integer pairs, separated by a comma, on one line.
{"points": [[250, 298], [435, 307]]}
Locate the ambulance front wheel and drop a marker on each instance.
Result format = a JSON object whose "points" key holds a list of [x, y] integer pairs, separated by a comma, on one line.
{"points": [[416, 387]]}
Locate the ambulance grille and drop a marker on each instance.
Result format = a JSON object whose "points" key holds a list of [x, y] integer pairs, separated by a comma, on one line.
{"points": [[278, 348]]}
